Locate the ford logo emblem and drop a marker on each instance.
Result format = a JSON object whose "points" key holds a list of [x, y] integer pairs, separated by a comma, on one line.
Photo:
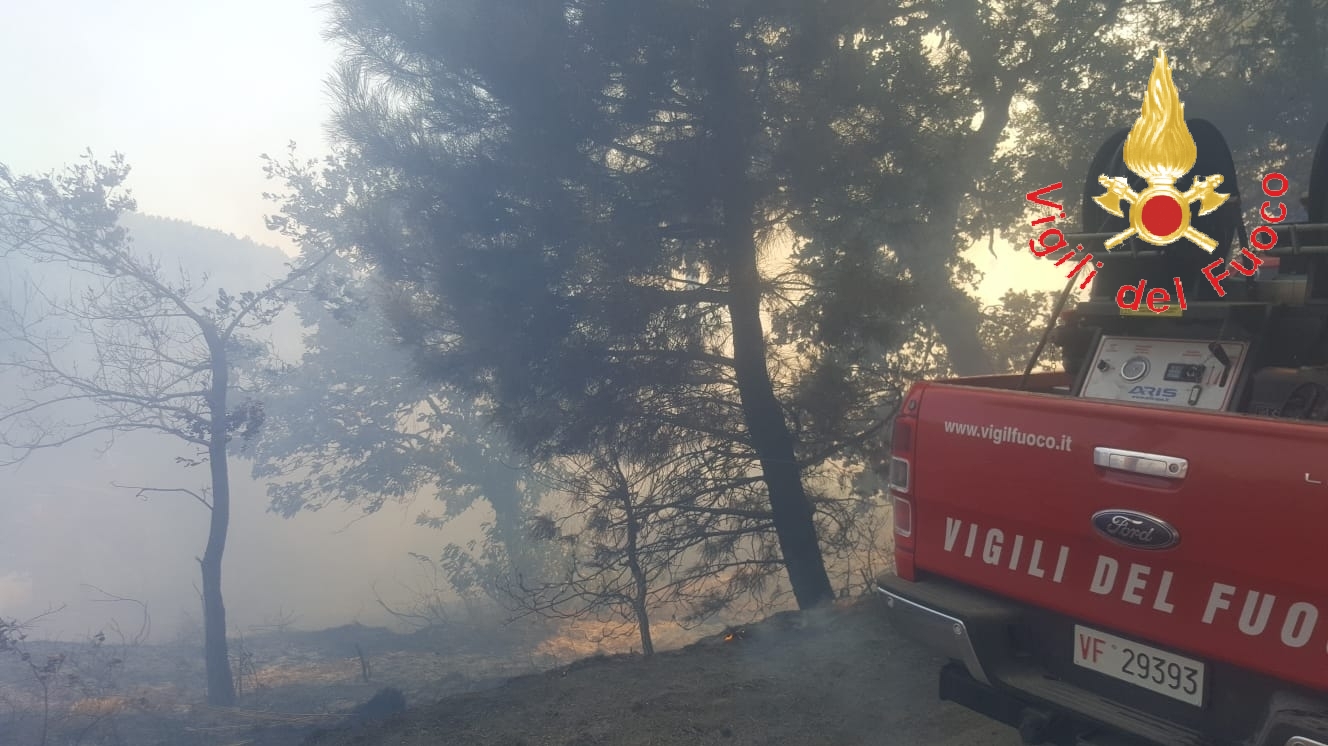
{"points": [[1134, 529]]}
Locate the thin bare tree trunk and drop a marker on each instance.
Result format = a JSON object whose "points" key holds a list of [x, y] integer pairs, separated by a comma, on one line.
{"points": [[641, 588], [220, 684]]}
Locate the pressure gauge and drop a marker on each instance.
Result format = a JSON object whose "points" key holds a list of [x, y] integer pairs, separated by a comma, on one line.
{"points": [[1134, 369]]}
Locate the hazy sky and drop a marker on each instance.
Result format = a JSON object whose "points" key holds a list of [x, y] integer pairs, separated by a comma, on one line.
{"points": [[191, 92]]}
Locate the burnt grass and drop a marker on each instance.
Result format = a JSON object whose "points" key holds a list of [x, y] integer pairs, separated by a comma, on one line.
{"points": [[838, 676], [834, 676]]}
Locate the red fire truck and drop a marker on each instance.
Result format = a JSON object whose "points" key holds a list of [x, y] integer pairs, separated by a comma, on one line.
{"points": [[1134, 549]]}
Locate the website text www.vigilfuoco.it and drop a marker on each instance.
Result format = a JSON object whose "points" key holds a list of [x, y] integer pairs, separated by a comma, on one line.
{"points": [[1006, 434]]}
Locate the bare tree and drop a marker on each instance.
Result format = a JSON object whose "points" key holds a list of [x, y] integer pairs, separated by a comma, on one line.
{"points": [[126, 347], [13, 634], [678, 529]]}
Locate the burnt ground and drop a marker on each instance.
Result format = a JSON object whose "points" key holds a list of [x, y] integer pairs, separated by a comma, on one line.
{"points": [[838, 676]]}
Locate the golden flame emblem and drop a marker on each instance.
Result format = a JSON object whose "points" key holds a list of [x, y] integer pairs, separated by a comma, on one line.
{"points": [[1160, 149]]}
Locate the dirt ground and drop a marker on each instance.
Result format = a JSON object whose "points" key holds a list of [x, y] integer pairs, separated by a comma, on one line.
{"points": [[838, 677]]}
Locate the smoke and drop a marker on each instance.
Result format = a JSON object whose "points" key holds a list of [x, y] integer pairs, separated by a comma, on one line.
{"points": [[74, 522], [15, 590], [69, 531]]}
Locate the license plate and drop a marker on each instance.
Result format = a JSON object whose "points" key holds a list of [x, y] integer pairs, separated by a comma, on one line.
{"points": [[1144, 666]]}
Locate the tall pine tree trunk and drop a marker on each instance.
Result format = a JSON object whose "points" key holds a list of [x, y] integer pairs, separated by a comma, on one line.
{"points": [[730, 121], [768, 430], [220, 685], [505, 497]]}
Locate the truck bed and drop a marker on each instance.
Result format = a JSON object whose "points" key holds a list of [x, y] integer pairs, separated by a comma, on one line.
{"points": [[1008, 484]]}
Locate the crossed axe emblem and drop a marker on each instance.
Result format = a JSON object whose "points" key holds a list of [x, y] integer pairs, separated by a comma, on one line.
{"points": [[1162, 205]]}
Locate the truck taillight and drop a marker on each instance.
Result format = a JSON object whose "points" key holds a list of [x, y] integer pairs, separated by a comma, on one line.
{"points": [[900, 489]]}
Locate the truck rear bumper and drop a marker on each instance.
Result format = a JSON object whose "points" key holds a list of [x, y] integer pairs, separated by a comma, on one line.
{"points": [[945, 634], [995, 674]]}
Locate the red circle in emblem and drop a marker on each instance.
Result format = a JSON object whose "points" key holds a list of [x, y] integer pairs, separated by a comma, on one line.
{"points": [[1161, 215]]}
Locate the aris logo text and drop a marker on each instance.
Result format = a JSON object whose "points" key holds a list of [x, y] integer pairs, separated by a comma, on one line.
{"points": [[1154, 393]]}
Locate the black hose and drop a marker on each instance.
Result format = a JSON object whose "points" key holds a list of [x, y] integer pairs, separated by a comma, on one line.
{"points": [[1109, 151], [1046, 334]]}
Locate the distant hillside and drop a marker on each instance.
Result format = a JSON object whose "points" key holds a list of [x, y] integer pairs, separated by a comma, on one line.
{"points": [[227, 261], [234, 263]]}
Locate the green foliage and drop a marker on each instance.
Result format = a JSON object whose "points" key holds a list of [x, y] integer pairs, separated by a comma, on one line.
{"points": [[563, 201], [355, 423], [568, 203], [562, 249], [1012, 329]]}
